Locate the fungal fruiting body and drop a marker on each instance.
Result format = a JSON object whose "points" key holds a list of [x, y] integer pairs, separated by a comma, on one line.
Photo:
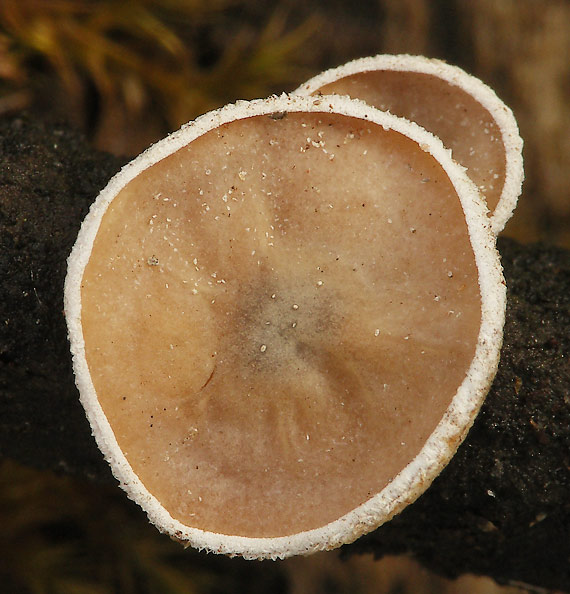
{"points": [[284, 318], [460, 109]]}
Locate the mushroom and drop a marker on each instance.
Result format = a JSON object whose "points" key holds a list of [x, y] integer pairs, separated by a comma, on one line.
{"points": [[284, 318], [458, 108]]}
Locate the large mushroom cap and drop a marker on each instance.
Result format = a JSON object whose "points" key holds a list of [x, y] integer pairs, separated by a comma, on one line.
{"points": [[284, 318], [458, 108]]}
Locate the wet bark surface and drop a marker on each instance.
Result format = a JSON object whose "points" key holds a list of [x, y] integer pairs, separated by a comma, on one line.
{"points": [[502, 506]]}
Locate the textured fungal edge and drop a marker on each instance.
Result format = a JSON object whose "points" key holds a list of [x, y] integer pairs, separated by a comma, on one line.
{"points": [[440, 446], [503, 116]]}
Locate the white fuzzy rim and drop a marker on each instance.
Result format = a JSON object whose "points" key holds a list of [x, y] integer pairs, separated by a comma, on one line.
{"points": [[443, 442], [457, 77]]}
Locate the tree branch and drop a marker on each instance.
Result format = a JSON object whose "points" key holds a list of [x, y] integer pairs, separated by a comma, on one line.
{"points": [[502, 506]]}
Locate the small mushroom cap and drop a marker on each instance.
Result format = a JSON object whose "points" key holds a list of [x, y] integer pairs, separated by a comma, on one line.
{"points": [[283, 319], [458, 108]]}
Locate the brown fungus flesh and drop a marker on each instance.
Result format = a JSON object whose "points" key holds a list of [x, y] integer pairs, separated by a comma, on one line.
{"points": [[283, 327], [460, 109]]}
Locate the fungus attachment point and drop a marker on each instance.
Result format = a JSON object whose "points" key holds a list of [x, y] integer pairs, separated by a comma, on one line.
{"points": [[299, 366], [458, 108]]}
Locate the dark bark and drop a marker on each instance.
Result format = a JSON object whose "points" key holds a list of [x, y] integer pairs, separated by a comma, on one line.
{"points": [[502, 506], [48, 178]]}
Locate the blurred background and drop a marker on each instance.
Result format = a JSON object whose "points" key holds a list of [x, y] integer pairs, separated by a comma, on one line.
{"points": [[127, 73]]}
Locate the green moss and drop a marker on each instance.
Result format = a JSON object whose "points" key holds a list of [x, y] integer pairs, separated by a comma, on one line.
{"points": [[115, 65]]}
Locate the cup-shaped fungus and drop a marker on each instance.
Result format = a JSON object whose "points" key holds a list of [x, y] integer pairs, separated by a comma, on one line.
{"points": [[284, 318], [458, 108]]}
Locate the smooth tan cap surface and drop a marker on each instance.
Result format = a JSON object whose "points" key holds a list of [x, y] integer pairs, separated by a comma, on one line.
{"points": [[276, 316], [458, 108]]}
